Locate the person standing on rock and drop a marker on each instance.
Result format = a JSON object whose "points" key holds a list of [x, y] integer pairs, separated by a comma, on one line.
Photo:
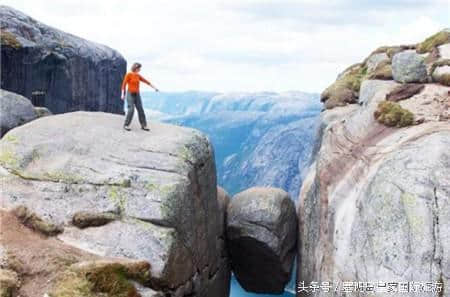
{"points": [[132, 79]]}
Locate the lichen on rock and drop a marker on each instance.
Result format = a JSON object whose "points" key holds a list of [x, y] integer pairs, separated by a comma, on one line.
{"points": [[409, 67]]}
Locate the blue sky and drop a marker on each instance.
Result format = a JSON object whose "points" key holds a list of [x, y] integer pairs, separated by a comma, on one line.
{"points": [[243, 45]]}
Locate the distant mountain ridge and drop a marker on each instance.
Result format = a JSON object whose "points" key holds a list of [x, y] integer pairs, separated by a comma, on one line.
{"points": [[261, 138]]}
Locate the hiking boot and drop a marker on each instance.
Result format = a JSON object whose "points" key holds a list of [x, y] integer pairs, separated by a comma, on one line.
{"points": [[127, 128]]}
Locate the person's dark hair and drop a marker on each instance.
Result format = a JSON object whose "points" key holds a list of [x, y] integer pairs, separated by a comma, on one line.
{"points": [[135, 66]]}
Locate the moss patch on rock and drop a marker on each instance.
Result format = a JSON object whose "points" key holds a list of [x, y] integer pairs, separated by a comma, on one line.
{"points": [[346, 88], [108, 282], [431, 42], [382, 71], [89, 279], [393, 115], [443, 78], [85, 219], [444, 62], [9, 39], [9, 281], [34, 222]]}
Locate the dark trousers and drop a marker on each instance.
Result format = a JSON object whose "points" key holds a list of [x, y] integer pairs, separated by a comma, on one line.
{"points": [[134, 99]]}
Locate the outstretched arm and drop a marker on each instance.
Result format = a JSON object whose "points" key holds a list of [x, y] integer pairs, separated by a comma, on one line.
{"points": [[147, 82]]}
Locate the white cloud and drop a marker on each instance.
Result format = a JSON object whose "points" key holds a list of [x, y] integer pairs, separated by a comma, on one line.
{"points": [[243, 44]]}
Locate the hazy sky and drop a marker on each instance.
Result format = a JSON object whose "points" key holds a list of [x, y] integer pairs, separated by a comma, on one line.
{"points": [[243, 45]]}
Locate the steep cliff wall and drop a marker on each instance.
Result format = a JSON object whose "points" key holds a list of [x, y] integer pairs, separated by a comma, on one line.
{"points": [[71, 73], [375, 205]]}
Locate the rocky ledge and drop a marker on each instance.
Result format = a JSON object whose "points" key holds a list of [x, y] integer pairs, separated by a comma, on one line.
{"points": [[104, 193], [58, 70], [375, 205], [427, 61]]}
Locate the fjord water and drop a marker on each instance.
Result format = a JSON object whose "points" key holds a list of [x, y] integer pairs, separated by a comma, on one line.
{"points": [[238, 291], [259, 139]]}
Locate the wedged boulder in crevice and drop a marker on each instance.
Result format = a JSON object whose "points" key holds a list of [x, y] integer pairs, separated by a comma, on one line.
{"points": [[148, 196], [58, 70], [261, 238]]}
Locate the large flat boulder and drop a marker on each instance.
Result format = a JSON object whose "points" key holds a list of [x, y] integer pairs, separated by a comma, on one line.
{"points": [[69, 73], [140, 195], [15, 110], [261, 238]]}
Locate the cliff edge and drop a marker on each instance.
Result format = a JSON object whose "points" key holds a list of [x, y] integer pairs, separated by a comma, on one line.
{"points": [[99, 193], [375, 204]]}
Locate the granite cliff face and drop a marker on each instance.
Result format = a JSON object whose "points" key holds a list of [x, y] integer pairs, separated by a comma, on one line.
{"points": [[375, 205], [63, 72]]}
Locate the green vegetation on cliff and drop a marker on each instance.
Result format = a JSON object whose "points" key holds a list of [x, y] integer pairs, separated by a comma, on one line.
{"points": [[345, 90], [433, 41], [393, 115]]}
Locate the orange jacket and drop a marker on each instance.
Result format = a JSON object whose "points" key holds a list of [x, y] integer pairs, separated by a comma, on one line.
{"points": [[132, 79]]}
